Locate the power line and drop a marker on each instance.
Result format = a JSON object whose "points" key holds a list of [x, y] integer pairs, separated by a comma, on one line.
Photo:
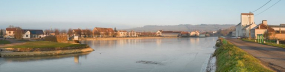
{"points": [[262, 5], [268, 8]]}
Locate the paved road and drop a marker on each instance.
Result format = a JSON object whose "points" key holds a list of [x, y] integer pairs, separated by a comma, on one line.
{"points": [[272, 57]]}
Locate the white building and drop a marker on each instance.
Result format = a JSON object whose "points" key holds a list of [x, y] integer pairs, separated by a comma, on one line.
{"points": [[246, 24], [132, 34], [33, 34]]}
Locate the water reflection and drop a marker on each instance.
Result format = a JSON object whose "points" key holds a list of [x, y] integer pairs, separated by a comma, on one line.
{"points": [[76, 59]]}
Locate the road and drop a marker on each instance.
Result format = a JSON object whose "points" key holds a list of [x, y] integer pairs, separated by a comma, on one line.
{"points": [[272, 57]]}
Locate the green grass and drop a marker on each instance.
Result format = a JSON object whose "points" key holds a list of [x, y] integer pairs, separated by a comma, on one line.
{"points": [[248, 40], [4, 42], [271, 43], [230, 58], [45, 44]]}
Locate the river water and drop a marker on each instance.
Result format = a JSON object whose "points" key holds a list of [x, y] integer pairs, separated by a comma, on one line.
{"points": [[125, 55]]}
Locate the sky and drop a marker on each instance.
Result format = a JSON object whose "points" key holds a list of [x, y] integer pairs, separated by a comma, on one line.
{"points": [[45, 14]]}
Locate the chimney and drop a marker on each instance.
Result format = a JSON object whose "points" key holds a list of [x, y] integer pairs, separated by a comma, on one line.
{"points": [[264, 22]]}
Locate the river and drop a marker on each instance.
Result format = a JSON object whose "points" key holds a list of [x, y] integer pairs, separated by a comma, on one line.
{"points": [[124, 55]]}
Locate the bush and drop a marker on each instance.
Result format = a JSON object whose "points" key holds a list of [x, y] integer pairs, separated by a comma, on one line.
{"points": [[57, 38]]}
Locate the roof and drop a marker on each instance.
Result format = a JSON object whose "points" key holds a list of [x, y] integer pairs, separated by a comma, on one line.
{"points": [[184, 33], [247, 26], [98, 29], [10, 29], [34, 31], [170, 31], [247, 14], [238, 24], [122, 31], [281, 25], [76, 30], [263, 26]]}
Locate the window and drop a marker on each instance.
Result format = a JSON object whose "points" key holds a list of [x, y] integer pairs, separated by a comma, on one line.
{"points": [[27, 35]]}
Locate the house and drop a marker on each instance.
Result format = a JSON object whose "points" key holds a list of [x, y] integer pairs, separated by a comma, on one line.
{"points": [[246, 30], [279, 32], [132, 34], [194, 33], [122, 33], [233, 33], [184, 34], [158, 33], [170, 33], [146, 34], [29, 33], [103, 32], [246, 24], [10, 32], [76, 32], [262, 28], [278, 28]]}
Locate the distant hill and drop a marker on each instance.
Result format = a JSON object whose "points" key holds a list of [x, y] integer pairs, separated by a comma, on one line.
{"points": [[182, 27]]}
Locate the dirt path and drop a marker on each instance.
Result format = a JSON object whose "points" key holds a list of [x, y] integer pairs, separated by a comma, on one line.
{"points": [[272, 57]]}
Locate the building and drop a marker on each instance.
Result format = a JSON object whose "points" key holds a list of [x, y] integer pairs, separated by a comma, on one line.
{"points": [[194, 33], [28, 33], [246, 24], [10, 32], [122, 33], [146, 34], [278, 28], [76, 32], [132, 34], [103, 32], [184, 34], [158, 33], [261, 29], [170, 33]]}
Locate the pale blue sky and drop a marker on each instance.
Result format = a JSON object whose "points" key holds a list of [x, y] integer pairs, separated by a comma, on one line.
{"points": [[132, 13]]}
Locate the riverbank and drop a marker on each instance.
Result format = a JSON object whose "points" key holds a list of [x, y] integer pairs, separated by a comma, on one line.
{"points": [[117, 38], [230, 58], [43, 48], [45, 53]]}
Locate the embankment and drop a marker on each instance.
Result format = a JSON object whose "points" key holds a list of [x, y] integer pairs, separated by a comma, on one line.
{"points": [[44, 53], [230, 58]]}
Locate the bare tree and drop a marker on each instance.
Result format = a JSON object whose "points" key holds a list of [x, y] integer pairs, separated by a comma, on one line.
{"points": [[18, 33], [70, 32], [88, 32], [1, 33], [56, 31], [63, 31], [47, 32]]}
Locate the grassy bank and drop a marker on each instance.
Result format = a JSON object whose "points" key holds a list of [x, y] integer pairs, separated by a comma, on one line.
{"points": [[271, 43], [230, 58], [4, 42], [45, 44]]}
